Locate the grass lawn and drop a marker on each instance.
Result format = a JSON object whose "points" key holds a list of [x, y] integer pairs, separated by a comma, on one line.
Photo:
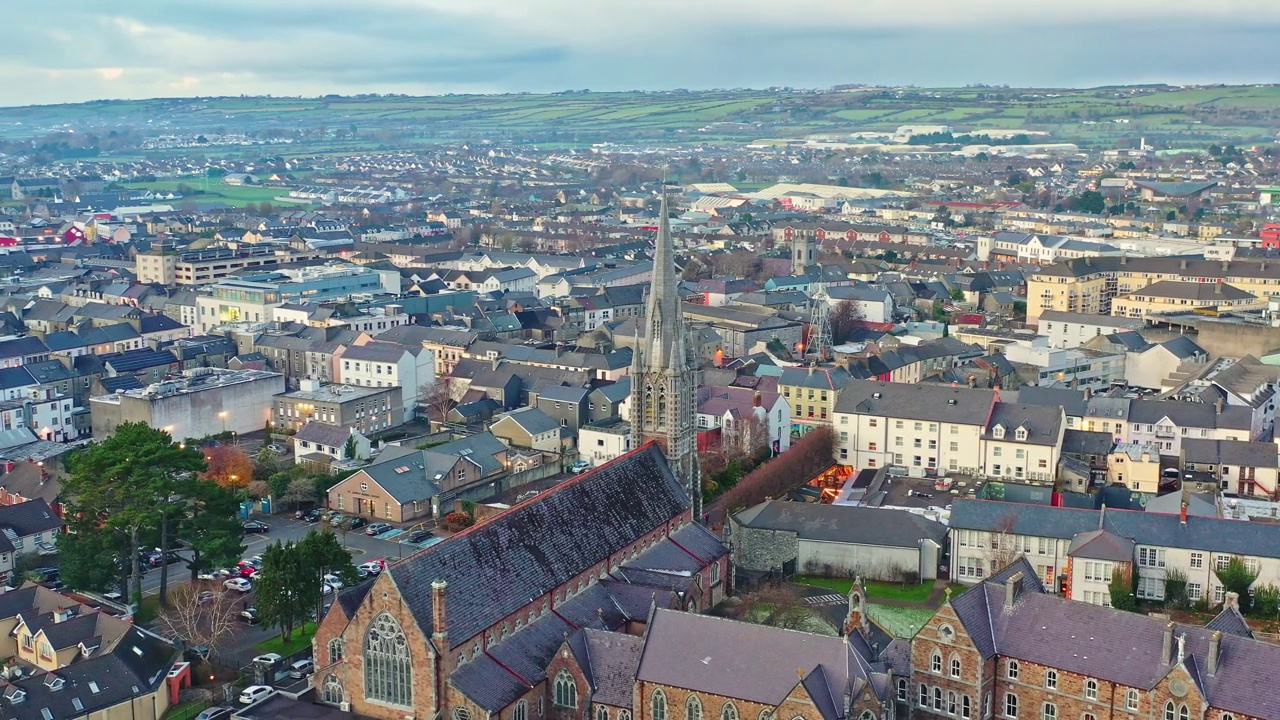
{"points": [[899, 621], [887, 591], [148, 610], [185, 710], [301, 639]]}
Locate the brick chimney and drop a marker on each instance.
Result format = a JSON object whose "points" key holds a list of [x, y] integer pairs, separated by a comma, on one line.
{"points": [[1215, 643], [439, 613], [1182, 514]]}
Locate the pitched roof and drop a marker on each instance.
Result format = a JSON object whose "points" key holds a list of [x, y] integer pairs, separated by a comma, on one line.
{"points": [[29, 518], [846, 524], [495, 567], [936, 403]]}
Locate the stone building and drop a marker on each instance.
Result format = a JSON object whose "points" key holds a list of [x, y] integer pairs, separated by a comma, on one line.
{"points": [[469, 627]]}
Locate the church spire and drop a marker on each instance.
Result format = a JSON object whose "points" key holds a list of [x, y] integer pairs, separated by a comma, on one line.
{"points": [[665, 323]]}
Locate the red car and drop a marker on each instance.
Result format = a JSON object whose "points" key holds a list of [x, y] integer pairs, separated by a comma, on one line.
{"points": [[247, 571]]}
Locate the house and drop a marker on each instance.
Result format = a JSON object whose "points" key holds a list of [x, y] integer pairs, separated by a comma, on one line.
{"points": [[1246, 383], [321, 443], [400, 485], [812, 393], [528, 428], [1249, 469], [836, 541], [383, 364], [735, 409], [473, 624], [28, 527], [1070, 329]]}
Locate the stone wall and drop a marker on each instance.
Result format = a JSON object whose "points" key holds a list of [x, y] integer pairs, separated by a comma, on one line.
{"points": [[760, 550]]}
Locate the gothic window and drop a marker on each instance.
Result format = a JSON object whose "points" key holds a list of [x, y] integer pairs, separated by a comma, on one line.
{"points": [[332, 691], [388, 669], [662, 408], [602, 712], [335, 650], [1010, 705], [659, 703], [648, 404], [693, 708], [1169, 711], [729, 712], [624, 715], [955, 667], [935, 663], [566, 691], [867, 715], [902, 689], [521, 712]]}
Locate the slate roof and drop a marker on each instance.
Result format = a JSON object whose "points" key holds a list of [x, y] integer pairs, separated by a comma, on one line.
{"points": [[1071, 401], [1101, 545], [324, 434], [1043, 423], [1117, 646], [1144, 528], [1200, 292], [1084, 442], [1230, 622], [972, 406], [29, 518], [1230, 452], [407, 474], [531, 420], [142, 359], [610, 660], [846, 524], [536, 546]]}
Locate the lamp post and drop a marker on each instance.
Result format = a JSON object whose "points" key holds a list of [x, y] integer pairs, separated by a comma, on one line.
{"points": [[223, 417]]}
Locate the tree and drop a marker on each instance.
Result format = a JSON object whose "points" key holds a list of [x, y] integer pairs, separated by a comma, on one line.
{"points": [[116, 488], [24, 565], [1122, 595], [285, 589], [321, 555], [1089, 201], [209, 621], [1266, 601], [229, 466], [777, 606], [251, 208], [1003, 548], [437, 398], [210, 525], [1175, 588], [299, 492], [265, 207], [349, 448], [1237, 578], [844, 319], [807, 457]]}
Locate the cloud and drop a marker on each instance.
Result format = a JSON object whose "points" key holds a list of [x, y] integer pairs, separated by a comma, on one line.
{"points": [[148, 48]]}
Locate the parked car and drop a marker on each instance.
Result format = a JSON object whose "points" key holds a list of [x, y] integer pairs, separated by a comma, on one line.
{"points": [[196, 653], [334, 581], [313, 515], [240, 584], [277, 448], [268, 659], [373, 568], [254, 693], [301, 668], [579, 467], [377, 529], [337, 518], [326, 589], [418, 536], [247, 571], [357, 522], [250, 616], [214, 713], [256, 526]]}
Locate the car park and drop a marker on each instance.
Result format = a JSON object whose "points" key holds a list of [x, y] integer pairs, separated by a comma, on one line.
{"points": [[377, 529], [254, 693], [418, 536], [300, 669], [239, 584]]}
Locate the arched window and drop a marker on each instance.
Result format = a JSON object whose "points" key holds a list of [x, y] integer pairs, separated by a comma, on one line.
{"points": [[1228, 716], [1183, 713], [624, 715], [951, 703], [335, 650], [1050, 712], [659, 705], [1010, 705], [935, 663], [1131, 700], [955, 666], [867, 715], [1011, 670], [924, 695], [566, 691], [331, 692], [1090, 689], [662, 407], [937, 699], [693, 708], [521, 712], [729, 712], [1051, 679], [1169, 713], [965, 709], [388, 669], [902, 689], [602, 712]]}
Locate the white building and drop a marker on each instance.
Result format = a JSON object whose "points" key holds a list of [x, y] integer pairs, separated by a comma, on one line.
{"points": [[1069, 330], [204, 402], [382, 364], [603, 440]]}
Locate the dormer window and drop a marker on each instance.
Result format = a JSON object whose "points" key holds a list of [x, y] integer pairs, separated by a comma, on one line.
{"points": [[997, 432], [1021, 433]]}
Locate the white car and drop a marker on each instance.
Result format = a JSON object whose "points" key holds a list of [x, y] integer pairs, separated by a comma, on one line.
{"points": [[254, 693], [301, 669], [326, 589], [268, 659], [239, 584], [579, 467], [333, 580], [373, 568]]}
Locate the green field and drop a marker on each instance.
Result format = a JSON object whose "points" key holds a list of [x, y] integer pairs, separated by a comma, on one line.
{"points": [[1193, 114], [217, 191]]}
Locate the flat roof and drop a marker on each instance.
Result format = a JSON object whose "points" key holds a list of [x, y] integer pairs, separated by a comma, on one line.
{"points": [[333, 392]]}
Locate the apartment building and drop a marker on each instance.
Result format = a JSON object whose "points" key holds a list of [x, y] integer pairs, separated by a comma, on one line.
{"points": [[367, 409], [1172, 296], [812, 393], [1090, 285], [381, 364], [987, 534], [1071, 329], [164, 265], [930, 429]]}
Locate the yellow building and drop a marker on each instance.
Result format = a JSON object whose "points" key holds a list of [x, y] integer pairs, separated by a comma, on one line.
{"points": [[1135, 466], [1170, 296]]}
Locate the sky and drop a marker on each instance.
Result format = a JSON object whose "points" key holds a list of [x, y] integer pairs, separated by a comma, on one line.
{"points": [[77, 50]]}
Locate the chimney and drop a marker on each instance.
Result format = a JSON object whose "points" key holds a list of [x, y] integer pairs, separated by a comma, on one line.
{"points": [[1215, 642], [1218, 404], [1088, 393], [1182, 514], [439, 614], [1182, 264], [493, 363], [755, 400], [1231, 601], [1166, 647], [1012, 588], [1217, 288]]}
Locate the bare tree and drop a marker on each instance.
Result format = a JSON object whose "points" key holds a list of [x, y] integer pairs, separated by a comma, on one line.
{"points": [[300, 490], [437, 398], [1004, 546], [747, 437], [777, 606], [198, 617], [845, 317]]}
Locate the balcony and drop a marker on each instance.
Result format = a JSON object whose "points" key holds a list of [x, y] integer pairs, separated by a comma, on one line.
{"points": [[1166, 432]]}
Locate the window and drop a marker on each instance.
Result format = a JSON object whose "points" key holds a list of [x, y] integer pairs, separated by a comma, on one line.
{"points": [[1011, 670], [658, 703], [566, 691], [331, 692], [867, 715], [693, 708], [924, 696], [602, 712], [388, 668], [335, 650], [1051, 679], [1151, 557], [902, 690], [935, 664], [1168, 711], [1221, 562], [1183, 713], [937, 699], [955, 667], [1131, 700], [1090, 689], [729, 712], [1010, 705], [951, 703], [964, 706], [1197, 560], [1049, 712]]}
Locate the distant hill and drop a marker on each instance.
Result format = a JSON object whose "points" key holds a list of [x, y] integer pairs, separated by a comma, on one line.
{"points": [[1098, 115]]}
